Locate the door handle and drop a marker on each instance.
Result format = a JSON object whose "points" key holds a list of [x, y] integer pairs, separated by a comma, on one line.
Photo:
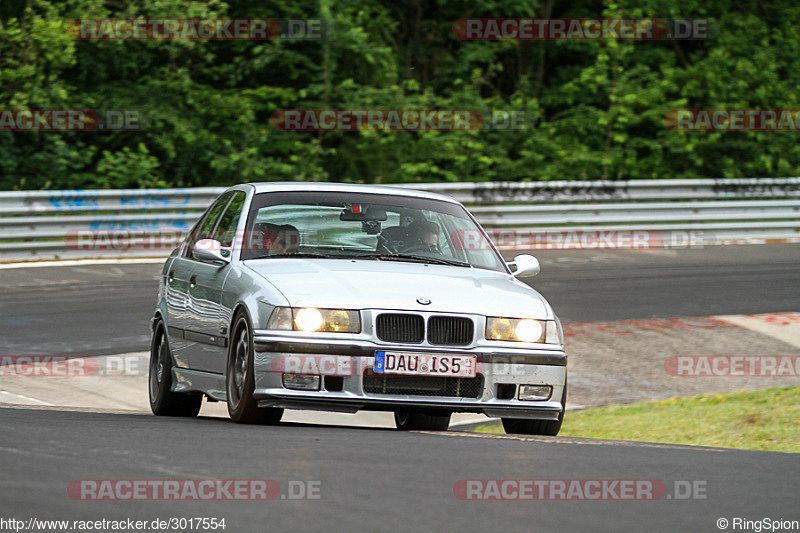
{"points": [[193, 281], [171, 276]]}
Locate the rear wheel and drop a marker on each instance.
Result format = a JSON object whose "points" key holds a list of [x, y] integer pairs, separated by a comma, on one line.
{"points": [[240, 379], [524, 426], [163, 401], [407, 420]]}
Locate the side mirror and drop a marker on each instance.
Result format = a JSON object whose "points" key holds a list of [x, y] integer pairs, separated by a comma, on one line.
{"points": [[211, 250], [524, 266]]}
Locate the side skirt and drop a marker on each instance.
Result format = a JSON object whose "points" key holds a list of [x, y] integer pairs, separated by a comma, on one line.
{"points": [[185, 380]]}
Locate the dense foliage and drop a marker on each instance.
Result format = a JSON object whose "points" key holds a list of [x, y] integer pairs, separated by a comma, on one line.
{"points": [[599, 106]]}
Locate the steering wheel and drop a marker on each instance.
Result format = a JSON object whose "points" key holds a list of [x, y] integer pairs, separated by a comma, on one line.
{"points": [[386, 243]]}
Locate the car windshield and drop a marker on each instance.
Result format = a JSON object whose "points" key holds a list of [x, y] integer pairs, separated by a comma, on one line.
{"points": [[379, 227]]}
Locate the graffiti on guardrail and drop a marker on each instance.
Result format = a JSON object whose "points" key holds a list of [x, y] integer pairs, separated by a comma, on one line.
{"points": [[530, 192], [732, 188], [175, 198], [74, 200], [93, 201]]}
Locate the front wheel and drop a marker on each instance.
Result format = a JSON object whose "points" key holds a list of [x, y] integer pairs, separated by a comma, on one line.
{"points": [[537, 427], [407, 420], [240, 379], [164, 402]]}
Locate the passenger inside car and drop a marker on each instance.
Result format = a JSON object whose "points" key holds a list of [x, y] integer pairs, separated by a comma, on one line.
{"points": [[286, 242], [274, 239]]}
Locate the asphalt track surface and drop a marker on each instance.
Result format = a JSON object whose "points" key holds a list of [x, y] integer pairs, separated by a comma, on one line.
{"points": [[373, 479], [104, 309], [377, 479]]}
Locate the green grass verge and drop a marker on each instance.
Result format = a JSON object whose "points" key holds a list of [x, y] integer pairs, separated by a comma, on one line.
{"points": [[766, 419]]}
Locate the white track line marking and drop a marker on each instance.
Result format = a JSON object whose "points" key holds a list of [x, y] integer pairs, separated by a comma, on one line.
{"points": [[80, 262], [570, 440], [781, 326], [10, 397]]}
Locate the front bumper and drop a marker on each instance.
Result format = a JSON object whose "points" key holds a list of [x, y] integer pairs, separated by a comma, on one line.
{"points": [[348, 360]]}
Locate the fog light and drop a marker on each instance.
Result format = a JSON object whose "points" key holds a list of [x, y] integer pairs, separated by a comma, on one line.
{"points": [[300, 382], [535, 393]]}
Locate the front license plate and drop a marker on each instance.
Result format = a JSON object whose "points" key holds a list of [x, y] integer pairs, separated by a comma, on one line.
{"points": [[417, 364]]}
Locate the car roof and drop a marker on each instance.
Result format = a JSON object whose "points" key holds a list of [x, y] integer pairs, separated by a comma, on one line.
{"points": [[311, 186]]}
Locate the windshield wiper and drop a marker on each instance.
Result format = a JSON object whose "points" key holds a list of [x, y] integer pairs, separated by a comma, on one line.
{"points": [[413, 259], [304, 254]]}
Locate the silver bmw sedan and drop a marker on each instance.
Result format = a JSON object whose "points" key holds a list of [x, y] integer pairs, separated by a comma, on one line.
{"points": [[342, 297]]}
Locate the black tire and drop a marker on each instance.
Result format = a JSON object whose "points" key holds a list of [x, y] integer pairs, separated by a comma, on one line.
{"points": [[408, 420], [240, 378], [164, 402], [524, 426]]}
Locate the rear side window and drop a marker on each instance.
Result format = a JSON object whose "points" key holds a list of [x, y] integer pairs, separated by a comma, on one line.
{"points": [[226, 229]]}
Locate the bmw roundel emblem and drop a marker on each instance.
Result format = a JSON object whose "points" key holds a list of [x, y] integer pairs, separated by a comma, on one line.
{"points": [[423, 301]]}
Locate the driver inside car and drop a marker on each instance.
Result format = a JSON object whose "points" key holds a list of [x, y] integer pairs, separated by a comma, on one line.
{"points": [[423, 236]]}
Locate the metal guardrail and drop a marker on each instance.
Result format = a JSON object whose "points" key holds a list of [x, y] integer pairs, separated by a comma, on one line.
{"points": [[641, 213], [610, 191], [117, 200], [38, 224]]}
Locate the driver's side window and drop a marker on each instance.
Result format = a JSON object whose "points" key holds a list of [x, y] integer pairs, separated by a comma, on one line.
{"points": [[205, 228], [225, 232]]}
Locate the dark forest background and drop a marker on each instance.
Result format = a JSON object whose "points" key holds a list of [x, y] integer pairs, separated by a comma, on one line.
{"points": [[598, 106]]}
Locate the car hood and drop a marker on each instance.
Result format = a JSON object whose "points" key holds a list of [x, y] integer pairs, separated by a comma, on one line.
{"points": [[370, 284]]}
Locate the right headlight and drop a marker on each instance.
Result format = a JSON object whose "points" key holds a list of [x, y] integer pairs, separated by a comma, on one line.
{"points": [[312, 319], [522, 330]]}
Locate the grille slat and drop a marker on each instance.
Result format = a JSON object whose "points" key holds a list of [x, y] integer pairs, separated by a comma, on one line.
{"points": [[450, 330], [395, 327], [424, 385]]}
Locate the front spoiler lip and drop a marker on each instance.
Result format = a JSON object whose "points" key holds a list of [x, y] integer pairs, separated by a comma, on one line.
{"points": [[367, 348], [345, 402]]}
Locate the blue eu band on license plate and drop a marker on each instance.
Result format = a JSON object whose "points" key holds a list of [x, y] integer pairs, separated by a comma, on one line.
{"points": [[380, 361]]}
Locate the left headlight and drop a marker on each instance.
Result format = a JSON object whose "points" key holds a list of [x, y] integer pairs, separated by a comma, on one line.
{"points": [[313, 319], [521, 330]]}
